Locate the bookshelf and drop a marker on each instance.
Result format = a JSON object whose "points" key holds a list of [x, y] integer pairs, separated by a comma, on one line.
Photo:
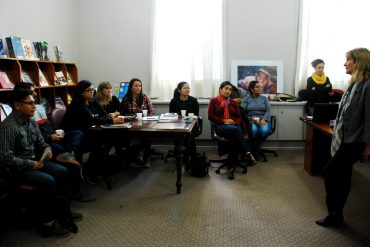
{"points": [[14, 67]]}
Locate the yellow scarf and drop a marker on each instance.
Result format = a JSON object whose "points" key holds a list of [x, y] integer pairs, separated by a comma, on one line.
{"points": [[320, 80]]}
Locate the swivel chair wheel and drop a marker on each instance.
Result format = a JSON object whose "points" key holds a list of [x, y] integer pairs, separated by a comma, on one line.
{"points": [[218, 171], [244, 171]]}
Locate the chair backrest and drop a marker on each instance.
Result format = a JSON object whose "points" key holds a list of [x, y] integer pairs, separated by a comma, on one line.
{"points": [[56, 117], [273, 124]]}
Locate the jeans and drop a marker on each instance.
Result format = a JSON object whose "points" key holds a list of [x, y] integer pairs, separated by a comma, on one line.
{"points": [[260, 132], [70, 142]]}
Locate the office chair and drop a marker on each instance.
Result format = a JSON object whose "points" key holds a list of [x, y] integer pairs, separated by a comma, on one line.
{"points": [[56, 117], [172, 153], [224, 147], [263, 151]]}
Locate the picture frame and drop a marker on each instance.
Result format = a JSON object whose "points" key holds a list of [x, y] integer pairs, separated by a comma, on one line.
{"points": [[269, 73]]}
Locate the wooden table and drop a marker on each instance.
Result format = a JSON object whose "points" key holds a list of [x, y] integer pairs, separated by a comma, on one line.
{"points": [[174, 130], [318, 142]]}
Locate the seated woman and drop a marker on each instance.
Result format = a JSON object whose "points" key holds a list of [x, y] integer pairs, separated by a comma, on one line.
{"points": [[135, 102], [257, 109], [83, 113], [318, 86], [226, 115], [183, 101]]}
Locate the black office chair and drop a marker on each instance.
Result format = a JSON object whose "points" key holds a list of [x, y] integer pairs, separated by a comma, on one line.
{"points": [[198, 132], [263, 151], [224, 147]]}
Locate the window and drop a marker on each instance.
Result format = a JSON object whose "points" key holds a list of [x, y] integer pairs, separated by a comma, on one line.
{"points": [[328, 29], [187, 46]]}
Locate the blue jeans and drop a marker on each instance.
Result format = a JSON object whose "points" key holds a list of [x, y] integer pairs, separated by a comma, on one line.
{"points": [[49, 182], [70, 142], [260, 132], [235, 134]]}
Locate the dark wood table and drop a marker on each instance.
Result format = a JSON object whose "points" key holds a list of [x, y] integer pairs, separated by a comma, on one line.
{"points": [[317, 148], [172, 130]]}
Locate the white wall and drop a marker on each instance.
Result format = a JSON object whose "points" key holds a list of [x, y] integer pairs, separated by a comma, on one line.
{"points": [[42, 20], [110, 39]]}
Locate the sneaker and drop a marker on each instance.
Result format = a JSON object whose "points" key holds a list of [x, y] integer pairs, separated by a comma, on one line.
{"points": [[147, 163], [251, 161]]}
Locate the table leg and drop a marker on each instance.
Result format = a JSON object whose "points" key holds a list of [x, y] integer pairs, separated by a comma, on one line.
{"points": [[179, 163]]}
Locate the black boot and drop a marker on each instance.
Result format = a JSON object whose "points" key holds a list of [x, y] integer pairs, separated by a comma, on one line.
{"points": [[251, 161], [334, 219], [230, 172]]}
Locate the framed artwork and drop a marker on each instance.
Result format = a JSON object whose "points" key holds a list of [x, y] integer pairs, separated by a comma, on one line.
{"points": [[268, 72]]}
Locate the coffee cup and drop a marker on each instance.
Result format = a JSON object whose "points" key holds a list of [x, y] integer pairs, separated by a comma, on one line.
{"points": [[145, 113], [257, 119], [191, 115], [139, 116], [59, 132], [183, 113]]}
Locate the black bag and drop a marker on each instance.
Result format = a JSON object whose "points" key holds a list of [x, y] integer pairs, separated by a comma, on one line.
{"points": [[199, 165]]}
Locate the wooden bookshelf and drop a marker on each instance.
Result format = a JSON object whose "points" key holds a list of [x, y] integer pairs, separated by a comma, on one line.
{"points": [[14, 68]]}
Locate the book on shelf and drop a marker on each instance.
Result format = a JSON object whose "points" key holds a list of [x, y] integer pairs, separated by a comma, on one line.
{"points": [[2, 49], [69, 78], [59, 55], [42, 79], [5, 110], [15, 47], [59, 104], [59, 78], [5, 83], [41, 49], [27, 49], [26, 77]]}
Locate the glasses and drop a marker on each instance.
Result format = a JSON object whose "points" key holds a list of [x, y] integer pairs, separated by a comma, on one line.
{"points": [[90, 90], [31, 103]]}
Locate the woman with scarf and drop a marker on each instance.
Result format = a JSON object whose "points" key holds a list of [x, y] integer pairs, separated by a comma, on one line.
{"points": [[351, 140], [225, 113], [318, 86]]}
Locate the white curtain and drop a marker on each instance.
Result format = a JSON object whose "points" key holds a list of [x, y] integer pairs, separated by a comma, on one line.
{"points": [[327, 30], [187, 46]]}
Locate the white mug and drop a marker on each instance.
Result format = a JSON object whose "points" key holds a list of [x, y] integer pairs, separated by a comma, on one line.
{"points": [[145, 113], [191, 115], [183, 113]]}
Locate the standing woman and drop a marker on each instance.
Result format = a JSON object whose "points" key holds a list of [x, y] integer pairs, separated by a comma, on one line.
{"points": [[318, 86], [109, 102], [135, 102], [351, 139], [257, 108], [226, 115]]}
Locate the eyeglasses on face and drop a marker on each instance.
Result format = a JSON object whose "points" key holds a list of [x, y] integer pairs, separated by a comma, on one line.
{"points": [[32, 103], [90, 90]]}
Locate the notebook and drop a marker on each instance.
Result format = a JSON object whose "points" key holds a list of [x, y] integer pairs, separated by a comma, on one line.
{"points": [[324, 112]]}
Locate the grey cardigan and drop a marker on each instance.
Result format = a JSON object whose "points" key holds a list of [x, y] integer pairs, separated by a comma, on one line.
{"points": [[357, 116]]}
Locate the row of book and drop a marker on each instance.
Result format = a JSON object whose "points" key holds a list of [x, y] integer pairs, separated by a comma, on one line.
{"points": [[59, 79], [15, 47]]}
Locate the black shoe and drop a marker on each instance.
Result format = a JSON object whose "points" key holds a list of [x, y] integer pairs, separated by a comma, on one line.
{"points": [[76, 217], [84, 197], [92, 179], [70, 225], [333, 219], [55, 229], [230, 173], [251, 161]]}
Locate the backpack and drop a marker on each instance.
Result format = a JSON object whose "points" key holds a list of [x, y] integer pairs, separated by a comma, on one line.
{"points": [[199, 165]]}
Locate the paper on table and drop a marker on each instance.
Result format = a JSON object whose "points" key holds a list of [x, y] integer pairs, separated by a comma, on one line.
{"points": [[110, 126], [151, 118]]}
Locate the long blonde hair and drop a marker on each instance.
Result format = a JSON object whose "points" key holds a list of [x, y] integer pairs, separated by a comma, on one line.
{"points": [[361, 69], [99, 97]]}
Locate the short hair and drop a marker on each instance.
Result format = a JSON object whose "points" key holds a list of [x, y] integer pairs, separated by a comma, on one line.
{"points": [[18, 95], [23, 86], [316, 62]]}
